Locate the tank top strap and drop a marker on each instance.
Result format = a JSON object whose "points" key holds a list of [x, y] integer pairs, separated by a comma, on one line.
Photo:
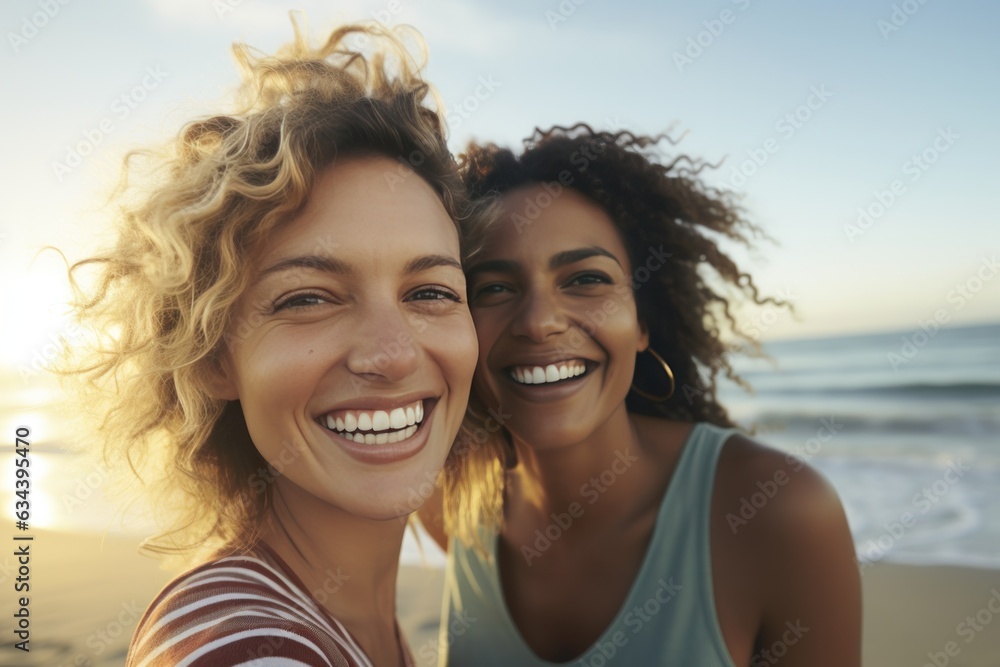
{"points": [[680, 552], [690, 488]]}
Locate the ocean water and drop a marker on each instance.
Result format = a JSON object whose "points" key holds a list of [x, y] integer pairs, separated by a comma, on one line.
{"points": [[909, 437], [906, 425]]}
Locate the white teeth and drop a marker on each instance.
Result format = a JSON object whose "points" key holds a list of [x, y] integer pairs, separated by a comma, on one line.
{"points": [[380, 420], [364, 421], [397, 418], [389, 426], [546, 374]]}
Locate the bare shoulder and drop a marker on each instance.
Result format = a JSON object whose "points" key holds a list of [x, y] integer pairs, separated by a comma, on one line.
{"points": [[777, 491], [788, 526]]}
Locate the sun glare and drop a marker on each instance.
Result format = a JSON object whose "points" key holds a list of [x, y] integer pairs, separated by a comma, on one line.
{"points": [[40, 303]]}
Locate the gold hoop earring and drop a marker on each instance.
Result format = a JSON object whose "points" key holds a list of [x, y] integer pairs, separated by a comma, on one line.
{"points": [[670, 375]]}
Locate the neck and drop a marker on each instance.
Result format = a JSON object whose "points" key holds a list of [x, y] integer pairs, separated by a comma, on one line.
{"points": [[347, 563], [600, 474]]}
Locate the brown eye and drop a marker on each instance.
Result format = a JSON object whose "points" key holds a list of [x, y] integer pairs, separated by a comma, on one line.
{"points": [[434, 294], [489, 289], [590, 278], [300, 301]]}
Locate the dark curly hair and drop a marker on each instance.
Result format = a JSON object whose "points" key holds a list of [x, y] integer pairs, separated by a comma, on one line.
{"points": [[654, 205]]}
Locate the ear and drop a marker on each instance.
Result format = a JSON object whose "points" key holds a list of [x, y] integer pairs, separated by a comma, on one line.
{"points": [[220, 381], [643, 343]]}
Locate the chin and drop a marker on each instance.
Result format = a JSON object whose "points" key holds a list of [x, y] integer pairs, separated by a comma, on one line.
{"points": [[397, 495], [540, 438]]}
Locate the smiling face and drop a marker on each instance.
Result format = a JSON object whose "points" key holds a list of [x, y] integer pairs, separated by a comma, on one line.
{"points": [[556, 320], [352, 352]]}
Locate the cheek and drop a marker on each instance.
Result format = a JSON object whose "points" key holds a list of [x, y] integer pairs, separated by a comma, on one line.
{"points": [[276, 374], [622, 311], [488, 329], [489, 323], [482, 384], [455, 347], [622, 334]]}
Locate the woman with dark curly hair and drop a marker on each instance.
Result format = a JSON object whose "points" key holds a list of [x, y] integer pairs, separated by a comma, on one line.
{"points": [[285, 350], [619, 517]]}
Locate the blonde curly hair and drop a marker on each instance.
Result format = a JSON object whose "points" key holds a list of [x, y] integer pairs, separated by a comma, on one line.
{"points": [[161, 307]]}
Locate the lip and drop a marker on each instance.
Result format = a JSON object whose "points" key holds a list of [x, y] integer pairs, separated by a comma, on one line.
{"points": [[389, 452], [550, 391]]}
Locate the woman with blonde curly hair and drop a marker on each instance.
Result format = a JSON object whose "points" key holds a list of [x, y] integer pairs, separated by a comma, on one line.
{"points": [[287, 352], [620, 518]]}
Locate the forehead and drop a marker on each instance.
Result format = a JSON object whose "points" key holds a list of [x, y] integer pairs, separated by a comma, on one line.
{"points": [[363, 207], [535, 225]]}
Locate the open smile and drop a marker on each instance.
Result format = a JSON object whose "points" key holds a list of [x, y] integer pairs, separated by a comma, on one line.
{"points": [[549, 374], [381, 436], [376, 427]]}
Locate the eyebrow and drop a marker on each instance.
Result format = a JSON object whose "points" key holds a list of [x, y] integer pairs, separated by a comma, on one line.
{"points": [[431, 261], [332, 265], [493, 265], [557, 261], [317, 262], [573, 256]]}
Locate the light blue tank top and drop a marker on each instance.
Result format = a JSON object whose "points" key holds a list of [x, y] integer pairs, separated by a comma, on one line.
{"points": [[668, 617]]}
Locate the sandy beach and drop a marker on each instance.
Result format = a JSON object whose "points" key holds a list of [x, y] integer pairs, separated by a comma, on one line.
{"points": [[88, 591], [922, 615]]}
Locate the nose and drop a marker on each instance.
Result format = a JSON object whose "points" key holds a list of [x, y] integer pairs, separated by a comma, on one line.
{"points": [[540, 315], [383, 348]]}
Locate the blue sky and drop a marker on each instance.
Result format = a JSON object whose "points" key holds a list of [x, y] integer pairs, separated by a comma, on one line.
{"points": [[880, 94]]}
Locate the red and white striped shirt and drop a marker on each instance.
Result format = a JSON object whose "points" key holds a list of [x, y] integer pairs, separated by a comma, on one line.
{"points": [[248, 609]]}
